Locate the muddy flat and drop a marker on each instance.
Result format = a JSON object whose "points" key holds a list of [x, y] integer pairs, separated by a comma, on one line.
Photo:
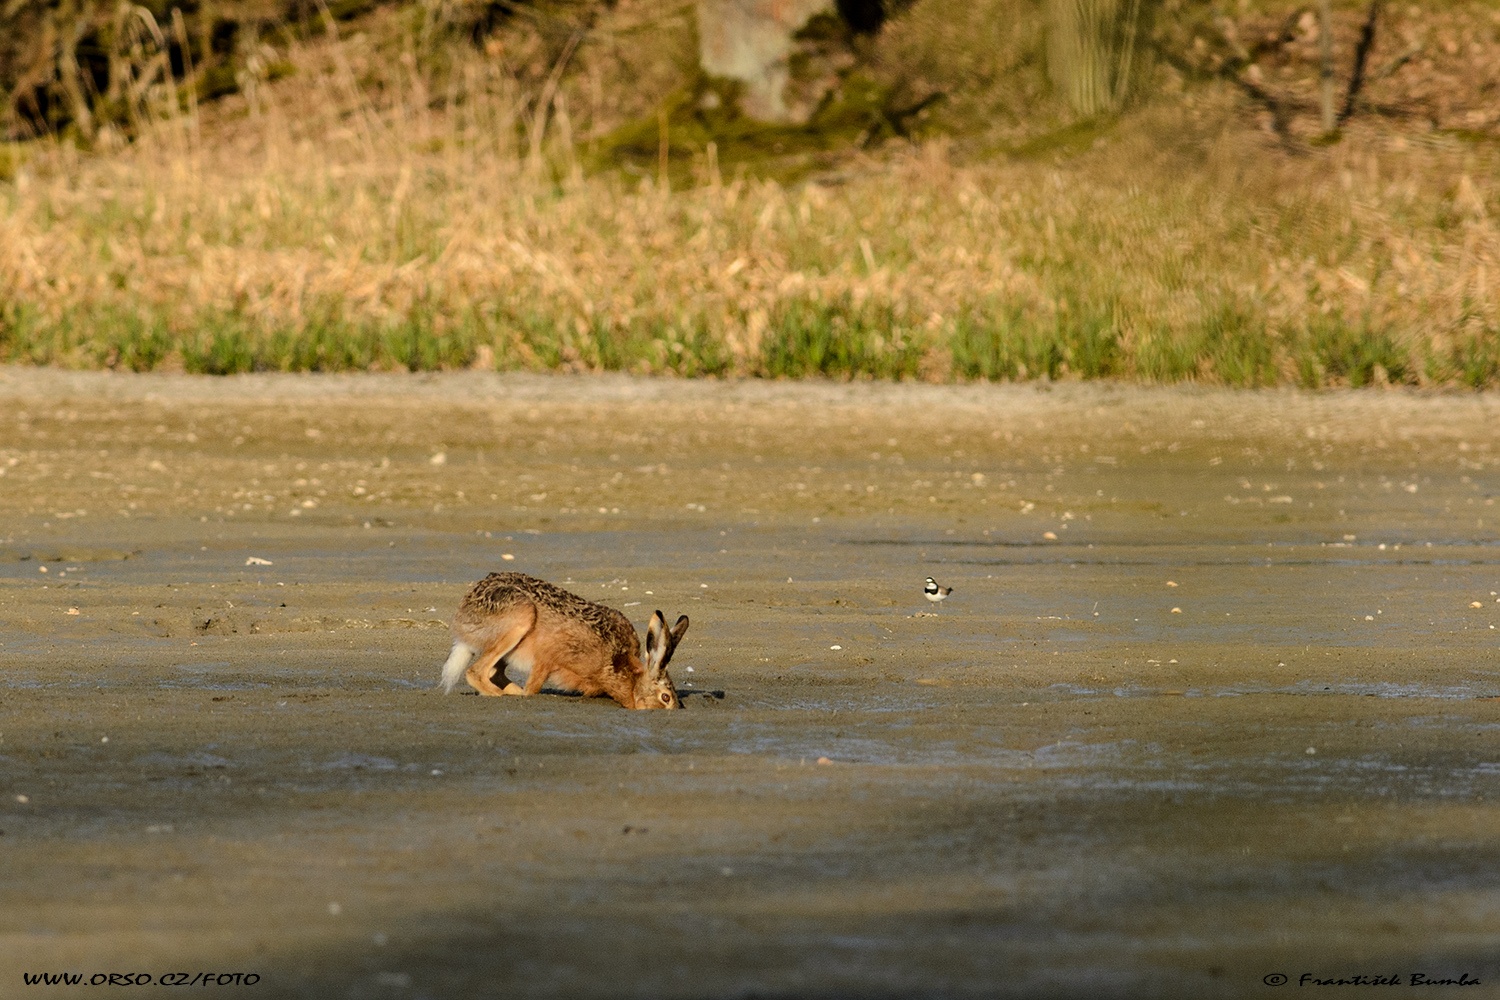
{"points": [[1215, 698]]}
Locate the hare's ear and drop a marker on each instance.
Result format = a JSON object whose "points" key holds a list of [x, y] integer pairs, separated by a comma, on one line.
{"points": [[667, 644], [656, 641]]}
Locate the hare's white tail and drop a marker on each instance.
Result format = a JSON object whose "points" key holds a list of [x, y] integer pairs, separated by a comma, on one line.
{"points": [[458, 662]]}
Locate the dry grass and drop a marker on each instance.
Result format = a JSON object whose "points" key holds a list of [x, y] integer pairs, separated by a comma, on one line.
{"points": [[326, 227]]}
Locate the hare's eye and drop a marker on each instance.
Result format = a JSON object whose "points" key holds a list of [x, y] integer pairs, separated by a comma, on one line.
{"points": [[666, 699]]}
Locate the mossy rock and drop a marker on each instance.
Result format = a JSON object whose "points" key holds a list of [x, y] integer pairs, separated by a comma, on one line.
{"points": [[859, 112]]}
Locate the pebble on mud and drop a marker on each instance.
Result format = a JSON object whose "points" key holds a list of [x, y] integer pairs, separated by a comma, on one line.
{"points": [[508, 557], [1475, 604], [1051, 536], [74, 611], [257, 561], [824, 760], [1176, 611]]}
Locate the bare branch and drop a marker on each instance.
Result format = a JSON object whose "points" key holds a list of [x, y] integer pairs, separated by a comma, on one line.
{"points": [[1361, 56]]}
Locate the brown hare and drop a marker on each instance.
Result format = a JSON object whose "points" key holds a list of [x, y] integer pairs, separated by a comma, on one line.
{"points": [[542, 634]]}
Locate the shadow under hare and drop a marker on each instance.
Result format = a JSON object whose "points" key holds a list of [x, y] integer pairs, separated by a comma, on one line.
{"points": [[538, 633]]}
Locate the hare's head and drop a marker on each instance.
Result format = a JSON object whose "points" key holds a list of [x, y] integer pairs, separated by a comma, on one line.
{"points": [[653, 688]]}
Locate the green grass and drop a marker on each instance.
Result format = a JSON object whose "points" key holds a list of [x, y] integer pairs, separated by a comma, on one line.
{"points": [[1335, 349], [1001, 343], [842, 339]]}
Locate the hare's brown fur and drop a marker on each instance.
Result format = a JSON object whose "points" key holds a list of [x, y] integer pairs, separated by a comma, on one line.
{"points": [[573, 643]]}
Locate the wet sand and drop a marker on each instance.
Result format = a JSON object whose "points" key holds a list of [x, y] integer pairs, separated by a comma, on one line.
{"points": [[1216, 696]]}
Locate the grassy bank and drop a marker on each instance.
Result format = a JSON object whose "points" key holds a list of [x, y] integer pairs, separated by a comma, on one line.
{"points": [[317, 226]]}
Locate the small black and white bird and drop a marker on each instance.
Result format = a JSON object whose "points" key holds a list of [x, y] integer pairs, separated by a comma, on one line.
{"points": [[933, 592]]}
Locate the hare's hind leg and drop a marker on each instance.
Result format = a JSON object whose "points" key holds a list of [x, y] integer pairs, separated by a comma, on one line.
{"points": [[509, 633], [526, 653]]}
